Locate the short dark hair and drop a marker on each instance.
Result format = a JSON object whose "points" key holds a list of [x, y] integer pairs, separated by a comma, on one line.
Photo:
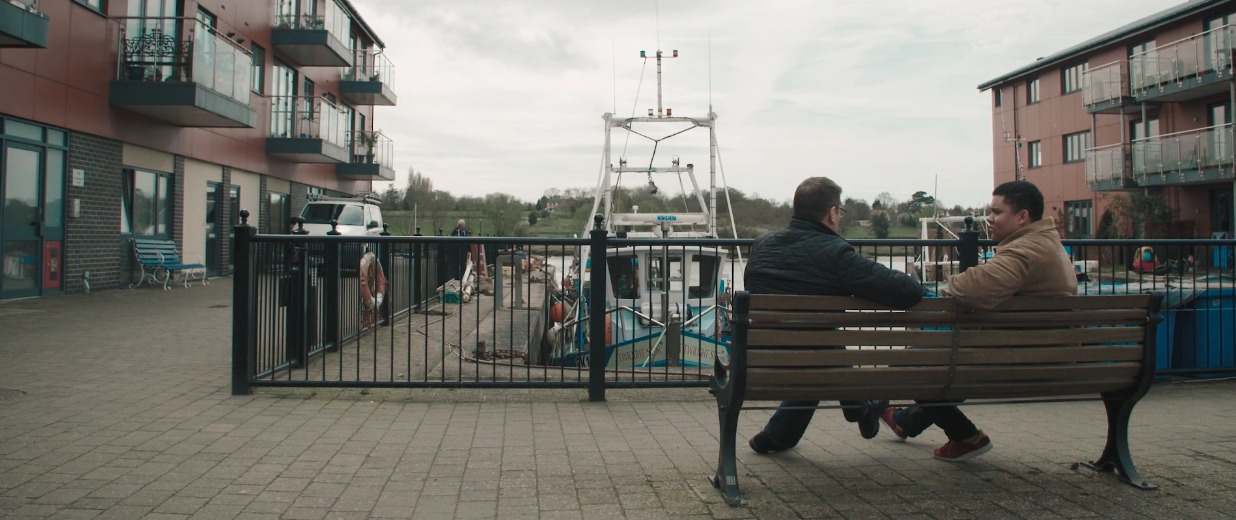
{"points": [[815, 196], [1022, 195]]}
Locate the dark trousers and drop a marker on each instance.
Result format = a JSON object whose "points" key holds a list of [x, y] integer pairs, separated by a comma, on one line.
{"points": [[915, 419], [786, 427]]}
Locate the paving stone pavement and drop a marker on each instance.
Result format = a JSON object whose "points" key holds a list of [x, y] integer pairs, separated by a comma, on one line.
{"points": [[116, 405]]}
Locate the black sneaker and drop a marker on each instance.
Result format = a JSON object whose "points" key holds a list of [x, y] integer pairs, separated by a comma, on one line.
{"points": [[869, 424], [762, 444]]}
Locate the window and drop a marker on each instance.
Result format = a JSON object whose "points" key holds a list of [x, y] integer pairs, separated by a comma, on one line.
{"points": [[97, 5], [1142, 131], [1079, 213], [259, 65], [146, 207], [624, 276], [307, 95], [1036, 154], [1072, 78], [1032, 91], [282, 102], [277, 216], [1075, 146], [999, 94]]}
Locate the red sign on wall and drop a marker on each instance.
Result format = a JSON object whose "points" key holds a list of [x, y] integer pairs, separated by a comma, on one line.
{"points": [[51, 264]]}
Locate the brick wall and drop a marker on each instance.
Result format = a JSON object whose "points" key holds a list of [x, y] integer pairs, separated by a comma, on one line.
{"points": [[297, 199], [225, 212], [178, 203], [263, 220], [92, 241]]}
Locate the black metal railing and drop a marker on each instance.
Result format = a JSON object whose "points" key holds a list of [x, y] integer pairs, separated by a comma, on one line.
{"points": [[539, 315]]}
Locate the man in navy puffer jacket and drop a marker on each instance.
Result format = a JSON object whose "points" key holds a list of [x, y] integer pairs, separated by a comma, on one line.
{"points": [[810, 258]]}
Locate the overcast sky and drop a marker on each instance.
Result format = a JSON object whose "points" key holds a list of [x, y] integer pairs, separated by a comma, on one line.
{"points": [[507, 96]]}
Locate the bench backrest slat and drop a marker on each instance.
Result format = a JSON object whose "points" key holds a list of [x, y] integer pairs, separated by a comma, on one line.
{"points": [[152, 251], [803, 347], [900, 391], [941, 356], [941, 338]]}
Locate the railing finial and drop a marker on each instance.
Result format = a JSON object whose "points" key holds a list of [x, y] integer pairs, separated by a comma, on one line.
{"points": [[334, 228], [597, 219], [970, 223], [244, 217]]}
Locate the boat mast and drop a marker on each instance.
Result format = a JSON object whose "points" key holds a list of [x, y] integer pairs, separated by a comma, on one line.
{"points": [[712, 173]]}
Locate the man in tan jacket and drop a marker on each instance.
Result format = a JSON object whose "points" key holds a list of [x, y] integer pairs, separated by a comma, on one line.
{"points": [[1029, 261]]}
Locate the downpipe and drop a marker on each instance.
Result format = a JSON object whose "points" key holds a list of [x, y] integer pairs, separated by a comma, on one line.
{"points": [[86, 281]]}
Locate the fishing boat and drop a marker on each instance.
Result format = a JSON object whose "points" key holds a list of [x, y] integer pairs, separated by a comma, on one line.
{"points": [[666, 304]]}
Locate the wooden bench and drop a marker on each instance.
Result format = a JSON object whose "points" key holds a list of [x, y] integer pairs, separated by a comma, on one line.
{"points": [[161, 257], [1029, 349]]}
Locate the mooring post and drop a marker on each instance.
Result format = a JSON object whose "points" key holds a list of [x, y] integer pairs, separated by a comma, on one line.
{"points": [[596, 313]]}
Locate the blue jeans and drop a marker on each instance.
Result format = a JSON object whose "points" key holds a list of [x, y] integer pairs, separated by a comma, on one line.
{"points": [[915, 419], [786, 427]]}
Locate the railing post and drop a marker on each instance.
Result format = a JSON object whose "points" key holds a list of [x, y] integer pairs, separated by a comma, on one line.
{"points": [[596, 313], [300, 299], [968, 251], [243, 316], [331, 298], [386, 258]]}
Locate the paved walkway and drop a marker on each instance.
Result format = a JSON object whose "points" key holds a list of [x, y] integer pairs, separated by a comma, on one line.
{"points": [[117, 405]]}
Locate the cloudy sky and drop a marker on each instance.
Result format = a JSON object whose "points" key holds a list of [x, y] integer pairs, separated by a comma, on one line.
{"points": [[507, 95]]}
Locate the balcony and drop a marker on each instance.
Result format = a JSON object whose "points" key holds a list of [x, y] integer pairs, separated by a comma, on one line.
{"points": [[373, 157], [1194, 67], [199, 79], [314, 40], [1201, 155], [370, 82], [308, 129], [1107, 169], [1105, 89], [22, 25]]}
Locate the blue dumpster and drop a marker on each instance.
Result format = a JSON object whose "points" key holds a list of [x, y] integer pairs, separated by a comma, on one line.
{"points": [[1206, 331], [1165, 339]]}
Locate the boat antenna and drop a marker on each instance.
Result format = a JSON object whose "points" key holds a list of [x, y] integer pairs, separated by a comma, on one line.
{"points": [[613, 61], [656, 5], [710, 71]]}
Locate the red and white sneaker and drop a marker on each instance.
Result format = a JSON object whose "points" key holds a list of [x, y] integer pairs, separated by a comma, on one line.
{"points": [[890, 425], [957, 451]]}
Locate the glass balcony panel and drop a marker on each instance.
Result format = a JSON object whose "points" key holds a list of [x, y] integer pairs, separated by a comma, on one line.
{"points": [[1105, 83], [1105, 164], [154, 51]]}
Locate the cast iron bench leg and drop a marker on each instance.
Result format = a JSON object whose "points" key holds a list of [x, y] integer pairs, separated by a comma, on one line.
{"points": [[1116, 454], [726, 478]]}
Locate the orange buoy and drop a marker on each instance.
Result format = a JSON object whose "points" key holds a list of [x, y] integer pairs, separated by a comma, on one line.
{"points": [[557, 312]]}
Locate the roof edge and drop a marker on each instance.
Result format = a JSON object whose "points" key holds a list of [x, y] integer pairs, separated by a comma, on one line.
{"points": [[362, 23], [1149, 23]]}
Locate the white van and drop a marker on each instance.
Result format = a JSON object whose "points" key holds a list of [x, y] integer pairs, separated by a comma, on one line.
{"points": [[356, 217]]}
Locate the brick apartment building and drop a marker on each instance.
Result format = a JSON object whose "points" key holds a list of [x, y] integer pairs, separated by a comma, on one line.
{"points": [[163, 118], [1145, 107]]}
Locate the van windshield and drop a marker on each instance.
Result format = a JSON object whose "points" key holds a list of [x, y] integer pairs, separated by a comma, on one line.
{"points": [[346, 214]]}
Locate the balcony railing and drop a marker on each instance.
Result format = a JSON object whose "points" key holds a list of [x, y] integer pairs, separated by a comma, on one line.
{"points": [[1105, 83], [371, 147], [1106, 164], [157, 50], [370, 65], [29, 5], [309, 117], [1190, 150], [1187, 58], [335, 20]]}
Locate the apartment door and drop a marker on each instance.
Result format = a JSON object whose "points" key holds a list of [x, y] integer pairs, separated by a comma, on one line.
{"points": [[1222, 218], [233, 220], [22, 222], [1145, 153], [214, 242]]}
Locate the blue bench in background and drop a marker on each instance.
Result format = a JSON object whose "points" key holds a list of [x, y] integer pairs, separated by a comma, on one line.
{"points": [[160, 257]]}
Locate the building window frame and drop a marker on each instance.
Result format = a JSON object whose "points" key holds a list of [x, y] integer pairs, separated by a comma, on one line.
{"points": [[1079, 215], [1075, 146], [999, 96], [1072, 77], [1032, 91], [259, 68], [154, 215], [1036, 154], [98, 6]]}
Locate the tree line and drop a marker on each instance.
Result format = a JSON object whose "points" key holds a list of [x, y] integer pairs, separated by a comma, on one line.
{"points": [[754, 214]]}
